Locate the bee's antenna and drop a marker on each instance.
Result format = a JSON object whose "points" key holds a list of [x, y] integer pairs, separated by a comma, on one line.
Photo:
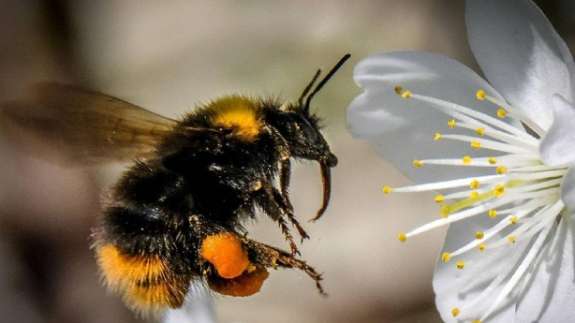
{"points": [[308, 87], [324, 80]]}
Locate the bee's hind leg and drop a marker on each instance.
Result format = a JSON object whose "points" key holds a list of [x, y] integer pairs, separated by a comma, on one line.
{"points": [[269, 256]]}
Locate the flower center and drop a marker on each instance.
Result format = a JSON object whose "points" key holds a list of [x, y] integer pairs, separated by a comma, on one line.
{"points": [[521, 197]]}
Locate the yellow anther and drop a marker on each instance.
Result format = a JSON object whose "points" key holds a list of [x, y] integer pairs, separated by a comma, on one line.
{"points": [[387, 189], [445, 257], [513, 219], [499, 190], [501, 113], [452, 123], [480, 131], [474, 195], [467, 160], [492, 213], [437, 136], [479, 235], [417, 163], [482, 247], [455, 312], [480, 95], [474, 184], [460, 264], [439, 198], [475, 144], [492, 160], [476, 321], [406, 94], [402, 237], [445, 211], [512, 239], [501, 170]]}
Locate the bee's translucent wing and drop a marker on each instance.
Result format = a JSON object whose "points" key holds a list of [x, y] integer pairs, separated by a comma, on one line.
{"points": [[82, 126]]}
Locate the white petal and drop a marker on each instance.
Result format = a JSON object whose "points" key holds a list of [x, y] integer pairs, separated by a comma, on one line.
{"points": [[402, 130], [456, 287], [198, 308], [558, 146], [520, 53], [550, 297], [568, 190]]}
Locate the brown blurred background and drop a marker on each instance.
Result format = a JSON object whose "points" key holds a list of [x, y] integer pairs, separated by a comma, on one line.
{"points": [[167, 55]]}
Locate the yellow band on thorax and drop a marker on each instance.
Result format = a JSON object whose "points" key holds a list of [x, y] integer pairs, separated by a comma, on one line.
{"points": [[239, 114]]}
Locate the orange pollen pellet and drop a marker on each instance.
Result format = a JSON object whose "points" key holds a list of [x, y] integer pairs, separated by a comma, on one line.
{"points": [[249, 283], [226, 253]]}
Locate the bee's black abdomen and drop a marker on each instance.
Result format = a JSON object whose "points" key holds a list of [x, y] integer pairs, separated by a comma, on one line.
{"points": [[138, 229], [145, 246]]}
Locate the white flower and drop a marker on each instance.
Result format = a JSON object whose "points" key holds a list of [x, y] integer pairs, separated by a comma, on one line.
{"points": [[504, 157], [197, 308]]}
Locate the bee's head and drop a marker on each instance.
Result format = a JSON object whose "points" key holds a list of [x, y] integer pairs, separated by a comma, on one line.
{"points": [[301, 130]]}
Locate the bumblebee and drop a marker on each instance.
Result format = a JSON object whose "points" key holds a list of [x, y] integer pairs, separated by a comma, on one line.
{"points": [[176, 214]]}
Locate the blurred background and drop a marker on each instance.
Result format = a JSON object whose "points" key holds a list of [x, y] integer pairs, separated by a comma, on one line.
{"points": [[169, 55]]}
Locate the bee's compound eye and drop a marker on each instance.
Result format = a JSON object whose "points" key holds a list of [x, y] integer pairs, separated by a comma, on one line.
{"points": [[226, 253], [249, 283]]}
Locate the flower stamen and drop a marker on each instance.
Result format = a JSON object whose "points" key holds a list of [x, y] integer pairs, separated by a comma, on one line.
{"points": [[525, 193]]}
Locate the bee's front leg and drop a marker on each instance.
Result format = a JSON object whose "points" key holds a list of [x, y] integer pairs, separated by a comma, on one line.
{"points": [[284, 165], [285, 173]]}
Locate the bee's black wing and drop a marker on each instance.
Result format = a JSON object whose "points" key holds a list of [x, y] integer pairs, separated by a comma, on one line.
{"points": [[85, 127]]}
